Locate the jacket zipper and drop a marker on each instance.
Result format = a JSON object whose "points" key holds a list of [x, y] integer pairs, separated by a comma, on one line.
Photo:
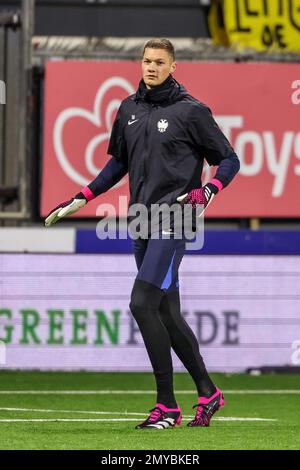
{"points": [[146, 135]]}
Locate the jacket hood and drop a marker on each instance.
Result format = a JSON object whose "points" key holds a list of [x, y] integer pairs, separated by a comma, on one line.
{"points": [[167, 92]]}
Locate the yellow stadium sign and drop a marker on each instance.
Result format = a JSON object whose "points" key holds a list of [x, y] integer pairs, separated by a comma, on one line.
{"points": [[263, 24]]}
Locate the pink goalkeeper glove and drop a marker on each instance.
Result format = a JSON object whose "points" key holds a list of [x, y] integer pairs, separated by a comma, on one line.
{"points": [[69, 207], [202, 196]]}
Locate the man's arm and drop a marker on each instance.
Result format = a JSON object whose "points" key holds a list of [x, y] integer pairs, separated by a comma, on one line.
{"points": [[113, 172], [227, 170], [212, 143]]}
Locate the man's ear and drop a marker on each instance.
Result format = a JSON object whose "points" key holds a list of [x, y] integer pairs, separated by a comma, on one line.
{"points": [[173, 67]]}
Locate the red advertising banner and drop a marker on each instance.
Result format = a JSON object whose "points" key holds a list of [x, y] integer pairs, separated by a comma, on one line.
{"points": [[257, 106]]}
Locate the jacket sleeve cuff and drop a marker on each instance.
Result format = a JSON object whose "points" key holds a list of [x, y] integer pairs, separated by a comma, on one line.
{"points": [[217, 183], [88, 193]]}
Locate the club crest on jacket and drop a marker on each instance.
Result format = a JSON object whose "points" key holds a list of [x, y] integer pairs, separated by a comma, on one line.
{"points": [[162, 125]]}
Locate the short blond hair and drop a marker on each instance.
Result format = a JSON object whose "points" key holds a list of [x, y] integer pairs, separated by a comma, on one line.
{"points": [[160, 43]]}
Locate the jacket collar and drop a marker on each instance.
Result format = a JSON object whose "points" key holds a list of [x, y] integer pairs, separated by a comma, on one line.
{"points": [[168, 91]]}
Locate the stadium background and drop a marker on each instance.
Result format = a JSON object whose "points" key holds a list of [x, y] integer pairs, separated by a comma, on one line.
{"points": [[64, 293]]}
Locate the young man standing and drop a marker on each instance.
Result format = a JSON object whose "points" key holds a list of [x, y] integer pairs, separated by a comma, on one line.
{"points": [[161, 136]]}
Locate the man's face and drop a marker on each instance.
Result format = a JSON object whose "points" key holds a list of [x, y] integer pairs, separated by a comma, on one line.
{"points": [[157, 64]]}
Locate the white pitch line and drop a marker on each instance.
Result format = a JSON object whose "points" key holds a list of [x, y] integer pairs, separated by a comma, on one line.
{"points": [[40, 410], [64, 420], [228, 418], [125, 413], [100, 420], [142, 392]]}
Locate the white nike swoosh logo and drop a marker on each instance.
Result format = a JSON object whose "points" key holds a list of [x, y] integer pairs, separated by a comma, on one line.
{"points": [[132, 122]]}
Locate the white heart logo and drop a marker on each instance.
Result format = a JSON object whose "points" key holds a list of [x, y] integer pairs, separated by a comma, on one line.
{"points": [[95, 118]]}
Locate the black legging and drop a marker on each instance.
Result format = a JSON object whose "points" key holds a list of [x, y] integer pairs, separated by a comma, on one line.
{"points": [[184, 342], [157, 313]]}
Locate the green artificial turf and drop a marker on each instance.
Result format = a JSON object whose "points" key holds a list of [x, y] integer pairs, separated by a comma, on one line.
{"points": [[284, 433]]}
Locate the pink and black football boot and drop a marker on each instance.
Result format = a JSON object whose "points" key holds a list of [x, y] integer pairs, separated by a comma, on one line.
{"points": [[162, 417], [206, 408]]}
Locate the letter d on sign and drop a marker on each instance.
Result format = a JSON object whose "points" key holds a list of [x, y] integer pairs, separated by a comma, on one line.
{"points": [[2, 92], [2, 353]]}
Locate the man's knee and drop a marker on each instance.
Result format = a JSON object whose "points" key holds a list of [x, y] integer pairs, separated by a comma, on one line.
{"points": [[144, 297]]}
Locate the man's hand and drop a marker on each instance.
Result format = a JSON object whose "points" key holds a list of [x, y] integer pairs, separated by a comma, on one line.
{"points": [[65, 208], [202, 196]]}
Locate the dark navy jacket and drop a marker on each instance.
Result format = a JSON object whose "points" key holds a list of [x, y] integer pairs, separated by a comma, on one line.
{"points": [[162, 136]]}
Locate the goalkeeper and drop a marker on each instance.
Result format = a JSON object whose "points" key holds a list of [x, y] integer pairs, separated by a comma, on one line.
{"points": [[161, 136]]}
